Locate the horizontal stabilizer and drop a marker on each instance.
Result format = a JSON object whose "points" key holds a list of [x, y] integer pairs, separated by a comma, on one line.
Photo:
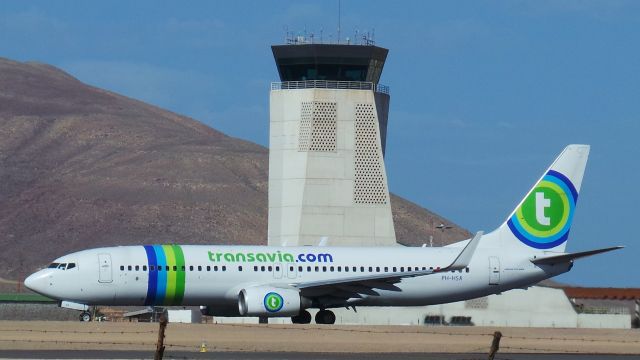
{"points": [[563, 258]]}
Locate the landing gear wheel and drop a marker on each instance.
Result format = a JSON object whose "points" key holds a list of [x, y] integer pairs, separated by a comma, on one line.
{"points": [[85, 316], [325, 317], [303, 318]]}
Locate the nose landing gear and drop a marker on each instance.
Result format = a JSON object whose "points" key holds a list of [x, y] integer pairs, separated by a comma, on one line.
{"points": [[85, 316]]}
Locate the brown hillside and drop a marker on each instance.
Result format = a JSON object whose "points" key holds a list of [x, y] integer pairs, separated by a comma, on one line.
{"points": [[82, 167]]}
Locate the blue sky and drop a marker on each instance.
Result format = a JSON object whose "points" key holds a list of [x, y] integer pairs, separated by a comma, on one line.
{"points": [[484, 94]]}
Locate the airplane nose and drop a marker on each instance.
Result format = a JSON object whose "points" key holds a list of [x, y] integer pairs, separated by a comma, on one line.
{"points": [[36, 282]]}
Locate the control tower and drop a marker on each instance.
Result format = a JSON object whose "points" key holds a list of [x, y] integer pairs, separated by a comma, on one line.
{"points": [[328, 125]]}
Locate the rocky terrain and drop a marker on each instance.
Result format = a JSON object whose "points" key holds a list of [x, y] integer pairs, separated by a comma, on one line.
{"points": [[83, 167]]}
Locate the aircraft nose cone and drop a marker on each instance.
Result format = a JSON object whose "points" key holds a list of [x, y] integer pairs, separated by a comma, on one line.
{"points": [[37, 282]]}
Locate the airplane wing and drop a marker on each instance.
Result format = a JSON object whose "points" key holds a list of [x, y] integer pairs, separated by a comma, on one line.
{"points": [[356, 286], [563, 258]]}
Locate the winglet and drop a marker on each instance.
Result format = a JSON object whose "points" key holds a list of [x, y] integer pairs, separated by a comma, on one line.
{"points": [[464, 258]]}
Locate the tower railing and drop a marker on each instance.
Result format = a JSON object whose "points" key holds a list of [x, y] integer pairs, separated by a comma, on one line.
{"points": [[330, 84]]}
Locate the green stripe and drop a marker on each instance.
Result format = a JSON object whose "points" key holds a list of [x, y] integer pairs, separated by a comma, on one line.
{"points": [[180, 279], [171, 275]]}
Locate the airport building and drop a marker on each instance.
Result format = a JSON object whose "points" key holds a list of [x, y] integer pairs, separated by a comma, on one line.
{"points": [[328, 125]]}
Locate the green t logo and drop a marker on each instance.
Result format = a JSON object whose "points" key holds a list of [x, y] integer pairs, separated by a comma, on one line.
{"points": [[541, 204], [273, 302]]}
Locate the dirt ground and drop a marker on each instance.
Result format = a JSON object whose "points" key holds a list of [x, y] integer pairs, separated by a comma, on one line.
{"points": [[311, 338]]}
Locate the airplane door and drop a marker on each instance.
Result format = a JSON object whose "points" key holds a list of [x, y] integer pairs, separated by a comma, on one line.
{"points": [[494, 270], [277, 271], [104, 263], [292, 272]]}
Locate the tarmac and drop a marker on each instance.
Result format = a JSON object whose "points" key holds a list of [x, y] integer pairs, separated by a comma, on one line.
{"points": [[101, 340], [75, 354]]}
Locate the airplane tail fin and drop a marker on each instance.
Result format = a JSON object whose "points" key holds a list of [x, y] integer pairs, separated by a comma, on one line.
{"points": [[542, 219]]}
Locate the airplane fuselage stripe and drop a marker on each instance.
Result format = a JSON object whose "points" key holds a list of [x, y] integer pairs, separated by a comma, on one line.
{"points": [[153, 275], [171, 275], [180, 275], [162, 275]]}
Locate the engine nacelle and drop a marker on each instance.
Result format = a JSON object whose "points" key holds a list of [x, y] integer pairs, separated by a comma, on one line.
{"points": [[268, 301]]}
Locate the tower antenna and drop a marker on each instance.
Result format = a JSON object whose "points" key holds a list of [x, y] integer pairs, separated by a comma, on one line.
{"points": [[339, 20]]}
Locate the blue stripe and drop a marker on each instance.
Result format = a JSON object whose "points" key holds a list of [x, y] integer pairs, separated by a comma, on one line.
{"points": [[568, 182], [153, 275], [161, 289]]}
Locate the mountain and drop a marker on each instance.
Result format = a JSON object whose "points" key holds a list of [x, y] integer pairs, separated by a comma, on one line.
{"points": [[82, 167]]}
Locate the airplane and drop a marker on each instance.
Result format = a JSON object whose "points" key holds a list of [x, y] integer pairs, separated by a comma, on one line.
{"points": [[268, 281]]}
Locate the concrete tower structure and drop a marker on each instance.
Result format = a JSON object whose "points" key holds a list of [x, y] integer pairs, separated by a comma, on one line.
{"points": [[328, 125]]}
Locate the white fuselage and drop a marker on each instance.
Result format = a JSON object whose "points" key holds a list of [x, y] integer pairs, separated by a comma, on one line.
{"points": [[214, 275]]}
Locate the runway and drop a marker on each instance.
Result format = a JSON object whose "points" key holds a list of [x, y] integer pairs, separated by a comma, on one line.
{"points": [[75, 354]]}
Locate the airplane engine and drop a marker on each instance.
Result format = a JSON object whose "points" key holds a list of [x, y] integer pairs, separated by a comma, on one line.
{"points": [[269, 301]]}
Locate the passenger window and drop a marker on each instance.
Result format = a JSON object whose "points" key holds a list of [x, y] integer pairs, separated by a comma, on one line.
{"points": [[377, 268], [121, 267], [175, 268], [386, 269], [199, 267], [224, 268], [277, 268], [324, 269], [183, 268], [215, 268], [309, 268], [424, 268], [395, 269], [208, 268], [239, 267], [355, 269], [144, 267], [270, 268], [317, 268], [137, 267], [346, 269], [361, 268], [129, 267], [290, 268], [262, 268], [71, 266], [370, 269], [190, 268], [152, 267], [430, 267], [159, 267], [402, 269], [167, 267], [255, 268], [331, 268], [466, 269], [300, 268]]}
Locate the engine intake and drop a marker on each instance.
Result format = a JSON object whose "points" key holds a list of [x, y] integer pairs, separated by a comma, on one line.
{"points": [[268, 301]]}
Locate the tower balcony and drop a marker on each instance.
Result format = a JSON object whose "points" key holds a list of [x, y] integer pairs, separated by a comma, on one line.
{"points": [[330, 84]]}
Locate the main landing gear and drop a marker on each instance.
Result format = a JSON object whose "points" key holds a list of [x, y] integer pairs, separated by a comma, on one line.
{"points": [[303, 318], [325, 317], [322, 317]]}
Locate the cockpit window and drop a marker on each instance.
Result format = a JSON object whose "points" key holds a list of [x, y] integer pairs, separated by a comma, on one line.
{"points": [[62, 266]]}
